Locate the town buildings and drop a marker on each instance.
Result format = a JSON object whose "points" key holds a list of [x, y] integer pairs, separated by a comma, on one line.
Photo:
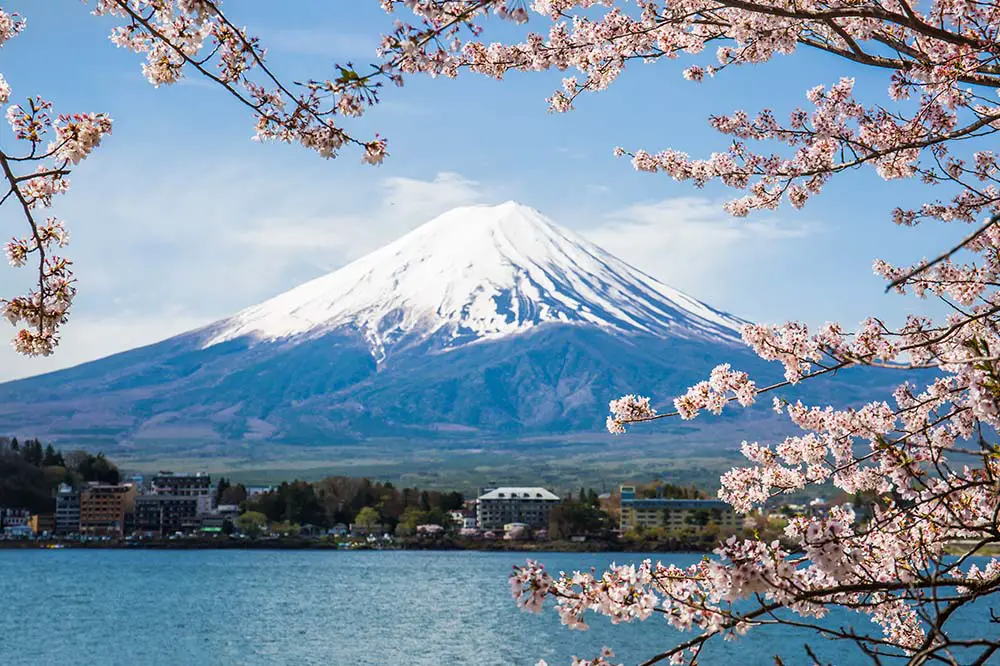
{"points": [[223, 513], [674, 515], [464, 520], [175, 503], [500, 506], [198, 486], [103, 509], [166, 514], [12, 519], [67, 510], [42, 523]]}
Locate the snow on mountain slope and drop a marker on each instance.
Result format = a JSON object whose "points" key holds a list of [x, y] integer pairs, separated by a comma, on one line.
{"points": [[479, 273]]}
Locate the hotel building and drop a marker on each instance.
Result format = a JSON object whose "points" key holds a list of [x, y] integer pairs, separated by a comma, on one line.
{"points": [[500, 506], [103, 509], [674, 515]]}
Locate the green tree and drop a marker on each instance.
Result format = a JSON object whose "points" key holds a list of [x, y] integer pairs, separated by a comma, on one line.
{"points": [[24, 485], [285, 529], [294, 502], [220, 489], [577, 519], [32, 453], [452, 501], [98, 468], [368, 517], [234, 495], [702, 517], [251, 523]]}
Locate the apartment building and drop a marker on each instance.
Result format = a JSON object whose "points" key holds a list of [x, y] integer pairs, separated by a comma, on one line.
{"points": [[13, 517]]}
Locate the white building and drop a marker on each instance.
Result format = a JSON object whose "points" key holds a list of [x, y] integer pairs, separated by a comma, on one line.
{"points": [[198, 486], [14, 518], [463, 520], [501, 506]]}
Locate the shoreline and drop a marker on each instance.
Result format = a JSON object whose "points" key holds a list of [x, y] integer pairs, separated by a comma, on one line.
{"points": [[596, 546], [273, 544]]}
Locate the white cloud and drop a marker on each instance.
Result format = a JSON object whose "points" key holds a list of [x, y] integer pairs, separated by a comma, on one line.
{"points": [[162, 258], [402, 205], [691, 243]]}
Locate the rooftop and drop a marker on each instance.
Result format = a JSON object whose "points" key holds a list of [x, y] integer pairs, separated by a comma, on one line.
{"points": [[663, 503], [519, 493]]}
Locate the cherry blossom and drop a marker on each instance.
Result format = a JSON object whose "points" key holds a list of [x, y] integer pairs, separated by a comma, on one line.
{"points": [[177, 38], [936, 123], [924, 453]]}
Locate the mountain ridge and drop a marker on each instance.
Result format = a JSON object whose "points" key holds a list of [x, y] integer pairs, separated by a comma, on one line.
{"points": [[476, 273], [489, 322]]}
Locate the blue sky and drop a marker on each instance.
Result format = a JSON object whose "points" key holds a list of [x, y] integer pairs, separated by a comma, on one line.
{"points": [[179, 219]]}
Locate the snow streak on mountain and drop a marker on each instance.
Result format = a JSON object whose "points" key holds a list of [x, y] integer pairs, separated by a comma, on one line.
{"points": [[479, 273]]}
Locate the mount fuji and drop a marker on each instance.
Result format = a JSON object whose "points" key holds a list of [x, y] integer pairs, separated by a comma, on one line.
{"points": [[488, 321]]}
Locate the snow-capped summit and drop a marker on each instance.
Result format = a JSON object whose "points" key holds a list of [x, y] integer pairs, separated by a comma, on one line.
{"points": [[479, 273], [488, 323]]}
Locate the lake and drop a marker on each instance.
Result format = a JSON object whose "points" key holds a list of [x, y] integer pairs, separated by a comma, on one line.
{"points": [[413, 608]]}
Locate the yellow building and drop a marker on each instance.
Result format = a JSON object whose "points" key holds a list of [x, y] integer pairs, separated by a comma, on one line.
{"points": [[674, 515], [42, 523]]}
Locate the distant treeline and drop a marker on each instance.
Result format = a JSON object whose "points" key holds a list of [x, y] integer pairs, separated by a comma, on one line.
{"points": [[30, 473], [339, 499]]}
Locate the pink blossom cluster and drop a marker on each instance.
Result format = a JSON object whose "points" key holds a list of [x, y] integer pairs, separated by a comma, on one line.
{"points": [[601, 660], [194, 35], [177, 37], [628, 409], [924, 459], [713, 394], [46, 306]]}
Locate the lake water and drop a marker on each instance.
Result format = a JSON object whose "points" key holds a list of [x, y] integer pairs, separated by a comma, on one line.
{"points": [[157, 608]]}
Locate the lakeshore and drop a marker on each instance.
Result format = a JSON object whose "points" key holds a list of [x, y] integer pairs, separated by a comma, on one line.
{"points": [[446, 545], [497, 546]]}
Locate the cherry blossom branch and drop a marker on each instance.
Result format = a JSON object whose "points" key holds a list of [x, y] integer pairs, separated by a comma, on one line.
{"points": [[945, 255]]}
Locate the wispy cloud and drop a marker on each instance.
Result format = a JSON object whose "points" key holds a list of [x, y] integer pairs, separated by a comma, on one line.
{"points": [[400, 205], [691, 243], [162, 258]]}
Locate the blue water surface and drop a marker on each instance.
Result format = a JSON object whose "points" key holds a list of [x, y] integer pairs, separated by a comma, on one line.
{"points": [[169, 608]]}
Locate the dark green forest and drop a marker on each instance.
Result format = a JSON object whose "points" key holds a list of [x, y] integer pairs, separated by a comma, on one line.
{"points": [[30, 473]]}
